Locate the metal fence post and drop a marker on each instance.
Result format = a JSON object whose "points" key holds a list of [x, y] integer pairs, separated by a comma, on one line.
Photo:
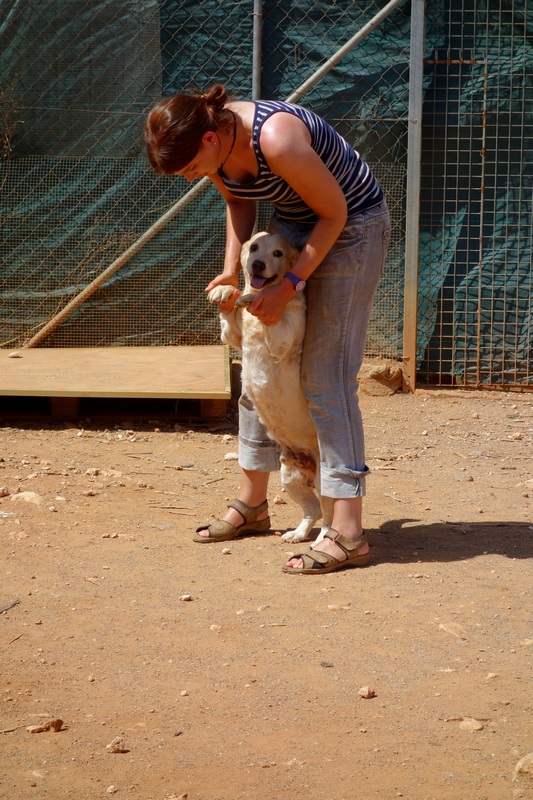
{"points": [[258, 49], [414, 149]]}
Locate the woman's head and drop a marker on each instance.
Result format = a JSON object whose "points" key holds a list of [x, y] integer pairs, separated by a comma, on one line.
{"points": [[175, 127]]}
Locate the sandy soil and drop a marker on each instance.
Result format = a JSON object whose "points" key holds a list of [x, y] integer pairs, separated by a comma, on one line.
{"points": [[229, 680]]}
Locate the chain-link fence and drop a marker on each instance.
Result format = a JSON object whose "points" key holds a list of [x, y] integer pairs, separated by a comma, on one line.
{"points": [[76, 193], [476, 267]]}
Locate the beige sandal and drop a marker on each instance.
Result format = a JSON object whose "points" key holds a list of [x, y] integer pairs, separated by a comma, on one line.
{"points": [[316, 562], [222, 531]]}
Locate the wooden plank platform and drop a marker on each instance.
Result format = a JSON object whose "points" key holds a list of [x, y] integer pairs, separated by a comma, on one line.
{"points": [[199, 373]]}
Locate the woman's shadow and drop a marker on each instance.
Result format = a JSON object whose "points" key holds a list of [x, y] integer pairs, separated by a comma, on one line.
{"points": [[411, 540]]}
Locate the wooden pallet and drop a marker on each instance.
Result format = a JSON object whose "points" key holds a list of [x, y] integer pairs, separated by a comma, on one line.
{"points": [[65, 375]]}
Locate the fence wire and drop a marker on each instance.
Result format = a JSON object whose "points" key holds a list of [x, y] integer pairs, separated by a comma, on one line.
{"points": [[76, 188], [77, 79], [476, 278]]}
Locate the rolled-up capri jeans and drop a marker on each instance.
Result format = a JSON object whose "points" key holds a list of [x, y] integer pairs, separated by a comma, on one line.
{"points": [[339, 297]]}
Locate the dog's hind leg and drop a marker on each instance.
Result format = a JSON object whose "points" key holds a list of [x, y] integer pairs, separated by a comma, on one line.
{"points": [[327, 517], [326, 504], [300, 489]]}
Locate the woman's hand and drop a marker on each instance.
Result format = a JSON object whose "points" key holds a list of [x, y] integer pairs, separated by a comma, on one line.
{"points": [[225, 280], [269, 304]]}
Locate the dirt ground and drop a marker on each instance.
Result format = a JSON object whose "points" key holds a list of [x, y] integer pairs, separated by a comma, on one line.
{"points": [[226, 678]]}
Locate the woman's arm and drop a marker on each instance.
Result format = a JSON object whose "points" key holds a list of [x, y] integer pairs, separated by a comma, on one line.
{"points": [[240, 219], [286, 146]]}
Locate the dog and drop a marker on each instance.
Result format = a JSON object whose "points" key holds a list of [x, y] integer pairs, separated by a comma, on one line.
{"points": [[271, 357]]}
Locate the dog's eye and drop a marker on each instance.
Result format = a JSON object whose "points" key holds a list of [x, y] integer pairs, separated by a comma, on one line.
{"points": [[253, 248], [278, 253]]}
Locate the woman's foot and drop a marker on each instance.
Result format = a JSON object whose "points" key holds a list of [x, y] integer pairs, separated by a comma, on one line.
{"points": [[348, 521], [353, 554], [330, 548], [249, 520], [252, 493]]}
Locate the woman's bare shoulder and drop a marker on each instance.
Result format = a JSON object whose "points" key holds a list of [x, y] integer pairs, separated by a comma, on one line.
{"points": [[284, 132]]}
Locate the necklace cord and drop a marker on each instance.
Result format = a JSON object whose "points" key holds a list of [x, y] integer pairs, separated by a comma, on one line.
{"points": [[233, 142]]}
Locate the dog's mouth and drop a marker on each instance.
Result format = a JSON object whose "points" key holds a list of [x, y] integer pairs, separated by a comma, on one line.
{"points": [[258, 281]]}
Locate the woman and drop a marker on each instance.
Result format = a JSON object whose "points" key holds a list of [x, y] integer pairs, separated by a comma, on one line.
{"points": [[328, 204]]}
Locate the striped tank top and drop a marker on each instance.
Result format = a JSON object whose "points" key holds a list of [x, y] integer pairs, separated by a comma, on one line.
{"points": [[359, 185]]}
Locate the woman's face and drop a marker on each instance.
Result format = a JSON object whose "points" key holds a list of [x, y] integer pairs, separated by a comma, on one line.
{"points": [[206, 160]]}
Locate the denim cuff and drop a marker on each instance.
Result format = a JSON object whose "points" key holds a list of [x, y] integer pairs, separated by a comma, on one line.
{"points": [[343, 483], [261, 456]]}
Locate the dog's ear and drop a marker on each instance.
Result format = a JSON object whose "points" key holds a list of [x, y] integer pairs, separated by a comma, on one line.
{"points": [[293, 255], [245, 249]]}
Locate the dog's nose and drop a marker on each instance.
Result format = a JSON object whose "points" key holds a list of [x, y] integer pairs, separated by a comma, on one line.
{"points": [[258, 266]]}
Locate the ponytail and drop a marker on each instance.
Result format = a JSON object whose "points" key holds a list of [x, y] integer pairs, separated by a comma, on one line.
{"points": [[216, 97], [175, 126]]}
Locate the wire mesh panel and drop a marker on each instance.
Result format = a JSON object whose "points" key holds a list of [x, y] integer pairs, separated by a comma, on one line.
{"points": [[76, 190], [365, 98], [475, 292], [77, 79]]}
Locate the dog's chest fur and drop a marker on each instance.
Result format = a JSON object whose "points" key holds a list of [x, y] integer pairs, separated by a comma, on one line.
{"points": [[271, 375]]}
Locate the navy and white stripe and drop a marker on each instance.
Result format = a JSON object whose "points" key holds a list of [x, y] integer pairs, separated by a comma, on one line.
{"points": [[354, 176]]}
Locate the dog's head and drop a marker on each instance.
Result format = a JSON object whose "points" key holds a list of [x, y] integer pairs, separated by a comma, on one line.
{"points": [[265, 259]]}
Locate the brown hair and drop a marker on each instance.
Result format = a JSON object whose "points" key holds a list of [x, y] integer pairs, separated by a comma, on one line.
{"points": [[175, 126]]}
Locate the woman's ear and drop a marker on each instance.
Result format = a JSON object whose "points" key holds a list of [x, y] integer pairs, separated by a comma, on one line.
{"points": [[209, 137]]}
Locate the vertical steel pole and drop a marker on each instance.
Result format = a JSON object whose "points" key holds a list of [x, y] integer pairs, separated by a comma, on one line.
{"points": [[257, 59], [412, 217], [257, 49]]}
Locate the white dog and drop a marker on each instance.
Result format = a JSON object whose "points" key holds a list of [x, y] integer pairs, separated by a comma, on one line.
{"points": [[271, 358]]}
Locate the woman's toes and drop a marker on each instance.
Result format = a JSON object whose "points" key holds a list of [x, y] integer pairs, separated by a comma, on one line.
{"points": [[295, 563]]}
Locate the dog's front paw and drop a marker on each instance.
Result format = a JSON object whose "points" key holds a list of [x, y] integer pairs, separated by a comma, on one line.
{"points": [[294, 536], [220, 294], [245, 300]]}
